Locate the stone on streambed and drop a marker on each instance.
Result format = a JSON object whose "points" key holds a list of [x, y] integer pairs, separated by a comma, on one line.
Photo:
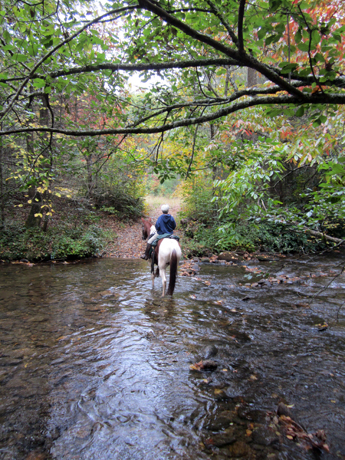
{"points": [[225, 438], [210, 351], [222, 421], [229, 256], [264, 436], [241, 449]]}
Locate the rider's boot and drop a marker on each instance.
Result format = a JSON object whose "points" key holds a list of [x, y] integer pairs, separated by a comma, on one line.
{"points": [[147, 251]]}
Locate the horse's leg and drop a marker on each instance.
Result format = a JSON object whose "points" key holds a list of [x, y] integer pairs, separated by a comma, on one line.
{"points": [[153, 280], [162, 272]]}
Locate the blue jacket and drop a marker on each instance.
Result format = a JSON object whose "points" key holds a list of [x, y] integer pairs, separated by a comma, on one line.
{"points": [[165, 224]]}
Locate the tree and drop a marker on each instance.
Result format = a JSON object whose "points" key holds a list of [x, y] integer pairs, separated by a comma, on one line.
{"points": [[49, 49]]}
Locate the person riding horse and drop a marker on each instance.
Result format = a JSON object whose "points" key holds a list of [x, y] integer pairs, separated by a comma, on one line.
{"points": [[165, 224]]}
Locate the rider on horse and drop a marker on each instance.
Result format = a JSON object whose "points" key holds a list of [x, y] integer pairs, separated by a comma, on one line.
{"points": [[165, 224]]}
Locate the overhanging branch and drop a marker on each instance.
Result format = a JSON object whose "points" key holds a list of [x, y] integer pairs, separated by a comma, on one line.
{"points": [[251, 102]]}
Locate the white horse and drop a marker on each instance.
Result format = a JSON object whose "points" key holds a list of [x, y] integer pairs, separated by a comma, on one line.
{"points": [[169, 254]]}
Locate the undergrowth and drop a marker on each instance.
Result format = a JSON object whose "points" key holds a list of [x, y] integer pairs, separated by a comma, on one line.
{"points": [[58, 243]]}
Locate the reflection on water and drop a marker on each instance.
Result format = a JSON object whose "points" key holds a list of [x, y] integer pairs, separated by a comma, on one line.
{"points": [[94, 365]]}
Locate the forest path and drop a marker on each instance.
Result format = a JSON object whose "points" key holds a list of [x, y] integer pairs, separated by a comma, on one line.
{"points": [[129, 243]]}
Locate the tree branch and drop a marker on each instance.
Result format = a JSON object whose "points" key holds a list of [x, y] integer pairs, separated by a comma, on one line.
{"points": [[252, 102], [217, 13], [50, 53], [242, 58], [240, 25]]}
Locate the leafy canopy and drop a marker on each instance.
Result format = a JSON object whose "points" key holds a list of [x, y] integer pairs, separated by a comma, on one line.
{"points": [[55, 50]]}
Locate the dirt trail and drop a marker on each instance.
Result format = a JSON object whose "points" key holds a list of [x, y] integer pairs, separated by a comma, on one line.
{"points": [[128, 244]]}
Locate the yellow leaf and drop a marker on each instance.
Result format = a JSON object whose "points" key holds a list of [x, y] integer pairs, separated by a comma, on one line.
{"points": [[289, 436], [253, 377]]}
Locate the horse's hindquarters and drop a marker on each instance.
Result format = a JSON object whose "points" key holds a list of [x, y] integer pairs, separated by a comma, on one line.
{"points": [[165, 251], [169, 253]]}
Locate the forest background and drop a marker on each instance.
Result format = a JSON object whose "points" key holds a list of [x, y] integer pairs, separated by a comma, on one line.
{"points": [[241, 117]]}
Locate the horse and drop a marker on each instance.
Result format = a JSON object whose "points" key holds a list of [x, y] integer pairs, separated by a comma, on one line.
{"points": [[169, 253], [146, 228]]}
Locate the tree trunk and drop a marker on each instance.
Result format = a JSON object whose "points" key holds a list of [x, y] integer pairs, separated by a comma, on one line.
{"points": [[2, 198], [252, 77], [90, 183], [34, 221]]}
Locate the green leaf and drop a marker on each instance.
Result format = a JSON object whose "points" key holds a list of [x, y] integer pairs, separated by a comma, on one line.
{"points": [[298, 36], [303, 46], [315, 37], [39, 83], [299, 112], [20, 57]]}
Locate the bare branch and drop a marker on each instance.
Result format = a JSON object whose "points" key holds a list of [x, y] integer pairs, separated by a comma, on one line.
{"points": [[240, 25]]}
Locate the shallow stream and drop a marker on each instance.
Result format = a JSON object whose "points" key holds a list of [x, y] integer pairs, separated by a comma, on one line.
{"points": [[95, 365]]}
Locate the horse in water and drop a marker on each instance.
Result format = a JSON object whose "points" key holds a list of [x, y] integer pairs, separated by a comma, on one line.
{"points": [[169, 253], [146, 228]]}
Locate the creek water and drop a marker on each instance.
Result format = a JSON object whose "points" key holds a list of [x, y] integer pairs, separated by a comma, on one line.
{"points": [[96, 365]]}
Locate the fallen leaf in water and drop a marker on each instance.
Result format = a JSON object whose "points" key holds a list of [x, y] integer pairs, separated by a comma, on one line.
{"points": [[193, 296], [63, 337], [209, 442], [322, 327], [248, 432], [218, 302], [218, 391], [294, 431], [208, 283], [253, 377]]}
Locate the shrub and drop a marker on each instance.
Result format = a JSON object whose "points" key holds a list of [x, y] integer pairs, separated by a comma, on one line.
{"points": [[61, 242]]}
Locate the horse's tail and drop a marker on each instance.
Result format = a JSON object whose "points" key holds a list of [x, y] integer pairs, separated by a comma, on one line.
{"points": [[173, 272]]}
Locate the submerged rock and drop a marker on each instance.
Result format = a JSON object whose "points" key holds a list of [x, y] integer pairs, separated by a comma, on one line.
{"points": [[264, 436], [210, 351], [222, 421], [225, 438], [241, 449]]}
